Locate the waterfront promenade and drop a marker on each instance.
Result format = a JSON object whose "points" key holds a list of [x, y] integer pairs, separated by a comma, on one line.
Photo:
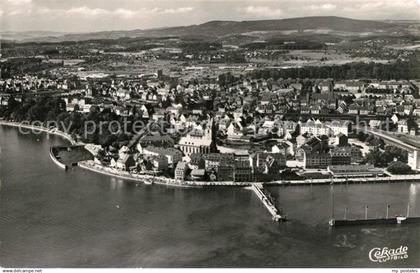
{"points": [[143, 178], [150, 179], [34, 128], [90, 165]]}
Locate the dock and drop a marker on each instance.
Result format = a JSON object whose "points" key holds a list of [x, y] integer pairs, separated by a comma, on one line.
{"points": [[378, 221], [397, 220], [267, 201]]}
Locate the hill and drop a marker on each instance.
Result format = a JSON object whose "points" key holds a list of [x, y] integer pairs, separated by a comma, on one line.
{"points": [[218, 29], [221, 28]]}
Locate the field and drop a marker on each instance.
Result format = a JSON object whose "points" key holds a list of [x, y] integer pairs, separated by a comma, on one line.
{"points": [[300, 58]]}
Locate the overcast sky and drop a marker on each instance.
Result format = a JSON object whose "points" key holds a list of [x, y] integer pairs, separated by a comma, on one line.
{"points": [[97, 15]]}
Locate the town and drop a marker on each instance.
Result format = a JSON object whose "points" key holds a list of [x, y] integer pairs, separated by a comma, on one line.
{"points": [[242, 130], [247, 107]]}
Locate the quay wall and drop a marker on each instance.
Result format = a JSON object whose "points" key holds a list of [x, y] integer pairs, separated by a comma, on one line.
{"points": [[55, 160], [144, 178], [355, 180], [169, 181]]}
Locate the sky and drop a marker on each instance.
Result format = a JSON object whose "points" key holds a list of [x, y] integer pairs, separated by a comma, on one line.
{"points": [[100, 15]]}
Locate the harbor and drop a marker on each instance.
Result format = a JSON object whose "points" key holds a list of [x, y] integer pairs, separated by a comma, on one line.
{"points": [[184, 214], [68, 156], [387, 220]]}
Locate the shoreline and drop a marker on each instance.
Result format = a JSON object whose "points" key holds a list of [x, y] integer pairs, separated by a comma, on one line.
{"points": [[160, 180], [53, 131], [139, 178]]}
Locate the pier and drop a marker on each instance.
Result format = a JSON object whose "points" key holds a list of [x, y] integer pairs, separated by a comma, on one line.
{"points": [[375, 221], [267, 201], [396, 220]]}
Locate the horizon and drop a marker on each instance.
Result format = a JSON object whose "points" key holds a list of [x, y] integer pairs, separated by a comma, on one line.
{"points": [[201, 23], [97, 16]]}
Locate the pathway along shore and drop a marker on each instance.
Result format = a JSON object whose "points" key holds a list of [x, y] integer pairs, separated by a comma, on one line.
{"points": [[34, 128], [150, 179]]}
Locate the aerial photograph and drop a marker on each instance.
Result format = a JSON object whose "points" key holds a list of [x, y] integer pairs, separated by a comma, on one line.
{"points": [[210, 134]]}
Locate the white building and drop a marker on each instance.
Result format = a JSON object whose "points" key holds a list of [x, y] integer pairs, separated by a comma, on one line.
{"points": [[403, 127], [339, 127], [198, 140], [234, 130], [316, 128]]}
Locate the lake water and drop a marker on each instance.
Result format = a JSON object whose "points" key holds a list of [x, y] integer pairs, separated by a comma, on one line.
{"points": [[52, 218]]}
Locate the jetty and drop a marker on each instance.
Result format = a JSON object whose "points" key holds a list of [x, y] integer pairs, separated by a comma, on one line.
{"points": [[267, 201], [397, 220], [375, 221]]}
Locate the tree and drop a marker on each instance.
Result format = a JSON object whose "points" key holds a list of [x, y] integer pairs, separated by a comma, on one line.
{"points": [[375, 157], [398, 167], [392, 152]]}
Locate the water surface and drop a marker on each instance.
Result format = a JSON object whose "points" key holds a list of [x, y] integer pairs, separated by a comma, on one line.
{"points": [[52, 218]]}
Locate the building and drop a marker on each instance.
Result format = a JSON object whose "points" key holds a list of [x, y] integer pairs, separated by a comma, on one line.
{"points": [[199, 140], [225, 173], [156, 140], [173, 155], [313, 154], [341, 155], [356, 155], [339, 127], [125, 162], [159, 162], [213, 161], [350, 86], [325, 86], [301, 139], [414, 159], [234, 131], [281, 148], [198, 174], [267, 165], [181, 171], [375, 123], [354, 171], [402, 127], [242, 172], [316, 128], [341, 140], [313, 159]]}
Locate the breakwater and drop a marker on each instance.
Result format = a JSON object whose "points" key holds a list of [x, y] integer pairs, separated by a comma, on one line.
{"points": [[54, 158]]}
